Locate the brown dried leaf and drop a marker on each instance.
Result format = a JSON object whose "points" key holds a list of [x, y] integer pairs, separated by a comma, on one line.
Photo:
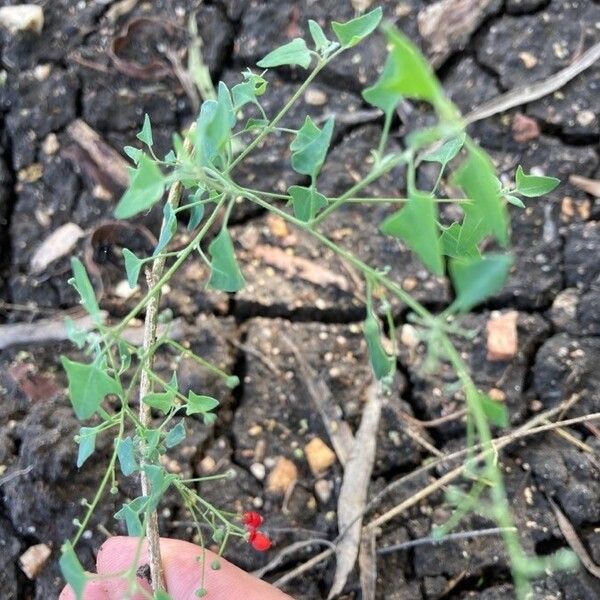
{"points": [[367, 561], [58, 244], [573, 540], [447, 25], [353, 493], [590, 186], [110, 167], [155, 69]]}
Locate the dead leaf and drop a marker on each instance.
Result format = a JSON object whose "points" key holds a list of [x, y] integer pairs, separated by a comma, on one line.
{"points": [[367, 561], [104, 164], [590, 186], [573, 540], [447, 25], [36, 386], [155, 69], [353, 493], [58, 244], [296, 266]]}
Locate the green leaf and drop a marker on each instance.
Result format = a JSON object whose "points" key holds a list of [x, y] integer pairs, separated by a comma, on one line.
{"points": [[310, 146], [476, 176], [199, 404], [293, 53], [196, 214], [133, 153], [532, 186], [88, 385], [213, 128], [456, 245], [495, 411], [81, 282], [416, 225], [176, 435], [247, 91], [514, 200], [406, 74], [87, 444], [72, 571], [476, 279], [352, 32], [161, 595], [168, 228], [130, 513], [209, 418], [160, 400], [146, 187], [381, 362], [225, 273], [133, 265], [74, 334], [307, 202], [126, 456], [145, 135], [318, 37], [447, 151], [159, 483]]}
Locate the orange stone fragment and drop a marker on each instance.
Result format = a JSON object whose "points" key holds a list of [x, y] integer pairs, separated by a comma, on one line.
{"points": [[282, 477], [319, 456], [502, 339]]}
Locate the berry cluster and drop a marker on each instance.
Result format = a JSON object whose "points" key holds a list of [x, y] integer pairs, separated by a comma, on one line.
{"points": [[257, 539]]}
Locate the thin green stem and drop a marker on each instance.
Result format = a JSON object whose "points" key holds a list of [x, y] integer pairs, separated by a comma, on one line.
{"points": [[107, 475], [116, 331], [321, 63], [378, 170]]}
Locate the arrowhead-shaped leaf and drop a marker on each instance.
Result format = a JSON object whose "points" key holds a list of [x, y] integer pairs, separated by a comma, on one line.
{"points": [[532, 186], [476, 176], [133, 265], [146, 187], [406, 74], [310, 146], [293, 53], [87, 444], [352, 32], [81, 282], [225, 272], [416, 226], [200, 404], [476, 279], [307, 202], [88, 386], [381, 362], [72, 571]]}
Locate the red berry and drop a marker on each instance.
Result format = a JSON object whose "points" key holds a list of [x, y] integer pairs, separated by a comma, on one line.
{"points": [[252, 520], [259, 541]]}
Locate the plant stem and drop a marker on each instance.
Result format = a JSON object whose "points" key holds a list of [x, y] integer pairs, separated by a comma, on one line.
{"points": [[375, 275], [154, 277], [376, 173], [116, 331], [271, 126]]}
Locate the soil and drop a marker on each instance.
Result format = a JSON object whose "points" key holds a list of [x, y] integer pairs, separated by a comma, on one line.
{"points": [[297, 292]]}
